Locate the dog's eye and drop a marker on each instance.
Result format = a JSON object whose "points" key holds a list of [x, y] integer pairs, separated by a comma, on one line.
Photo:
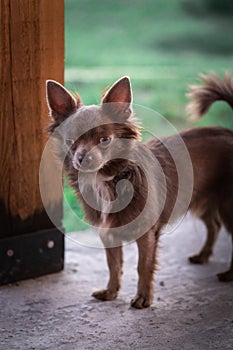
{"points": [[69, 142], [105, 141]]}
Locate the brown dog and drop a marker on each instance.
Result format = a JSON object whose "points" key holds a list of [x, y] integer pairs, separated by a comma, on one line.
{"points": [[119, 179]]}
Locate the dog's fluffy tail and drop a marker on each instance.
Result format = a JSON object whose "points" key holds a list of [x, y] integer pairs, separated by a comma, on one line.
{"points": [[214, 89]]}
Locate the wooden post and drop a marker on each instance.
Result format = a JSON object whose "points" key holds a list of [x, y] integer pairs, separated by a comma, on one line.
{"points": [[31, 51]]}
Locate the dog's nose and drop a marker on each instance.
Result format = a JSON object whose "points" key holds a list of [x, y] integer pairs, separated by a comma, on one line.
{"points": [[84, 159], [80, 157]]}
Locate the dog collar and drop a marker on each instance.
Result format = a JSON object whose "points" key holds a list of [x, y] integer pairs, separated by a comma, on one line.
{"points": [[126, 174]]}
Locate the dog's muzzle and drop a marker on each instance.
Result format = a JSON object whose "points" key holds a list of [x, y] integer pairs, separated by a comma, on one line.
{"points": [[83, 160]]}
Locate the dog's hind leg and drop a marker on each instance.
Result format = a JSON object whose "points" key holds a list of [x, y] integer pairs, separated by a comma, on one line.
{"points": [[227, 218], [213, 225], [228, 275]]}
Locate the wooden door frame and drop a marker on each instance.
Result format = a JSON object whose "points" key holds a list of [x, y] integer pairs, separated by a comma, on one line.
{"points": [[31, 51]]}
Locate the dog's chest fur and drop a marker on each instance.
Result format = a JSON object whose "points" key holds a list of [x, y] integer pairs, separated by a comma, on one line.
{"points": [[113, 201]]}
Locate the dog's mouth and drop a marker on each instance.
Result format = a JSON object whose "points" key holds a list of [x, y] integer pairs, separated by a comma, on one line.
{"points": [[84, 167], [106, 171], [99, 173]]}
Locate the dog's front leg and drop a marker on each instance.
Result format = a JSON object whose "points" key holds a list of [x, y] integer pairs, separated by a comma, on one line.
{"points": [[147, 245], [115, 261]]}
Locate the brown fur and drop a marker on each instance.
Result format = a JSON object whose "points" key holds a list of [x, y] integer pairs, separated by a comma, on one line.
{"points": [[211, 153]]}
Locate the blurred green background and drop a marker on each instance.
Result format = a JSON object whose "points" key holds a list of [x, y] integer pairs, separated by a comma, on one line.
{"points": [[161, 44]]}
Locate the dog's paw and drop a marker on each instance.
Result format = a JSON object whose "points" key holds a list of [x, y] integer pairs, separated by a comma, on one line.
{"points": [[104, 295], [199, 259], [225, 276], [140, 302]]}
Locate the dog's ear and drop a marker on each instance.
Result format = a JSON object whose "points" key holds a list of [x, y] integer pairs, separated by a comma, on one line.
{"points": [[60, 102], [118, 99]]}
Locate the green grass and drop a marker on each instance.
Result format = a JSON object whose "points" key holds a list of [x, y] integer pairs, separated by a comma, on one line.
{"points": [[159, 44]]}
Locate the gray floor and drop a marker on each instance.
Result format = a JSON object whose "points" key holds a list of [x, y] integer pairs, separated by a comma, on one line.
{"points": [[191, 309]]}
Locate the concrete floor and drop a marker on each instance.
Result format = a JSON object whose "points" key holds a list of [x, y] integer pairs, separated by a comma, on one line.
{"points": [[191, 309]]}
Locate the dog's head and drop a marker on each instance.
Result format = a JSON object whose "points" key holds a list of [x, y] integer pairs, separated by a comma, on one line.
{"points": [[95, 137]]}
